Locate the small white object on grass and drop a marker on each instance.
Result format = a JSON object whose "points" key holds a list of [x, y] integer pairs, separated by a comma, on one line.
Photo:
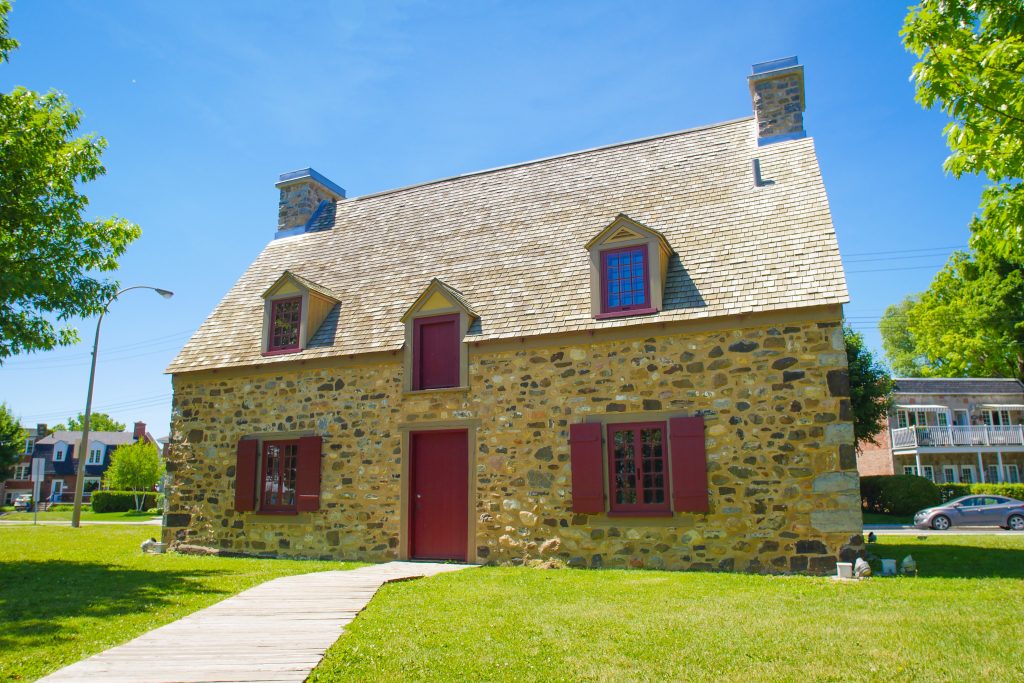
{"points": [[861, 568]]}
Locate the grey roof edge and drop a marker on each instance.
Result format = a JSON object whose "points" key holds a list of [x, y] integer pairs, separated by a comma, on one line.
{"points": [[292, 177], [553, 157], [1014, 380]]}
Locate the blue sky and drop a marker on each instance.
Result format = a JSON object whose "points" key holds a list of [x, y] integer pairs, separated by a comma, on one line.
{"points": [[204, 104]]}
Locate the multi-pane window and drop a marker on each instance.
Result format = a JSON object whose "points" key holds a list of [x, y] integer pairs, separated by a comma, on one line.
{"points": [[95, 457], [942, 419], [22, 471], [280, 460], [29, 445], [996, 418], [624, 279], [285, 320], [966, 475], [60, 452], [637, 467], [901, 419]]}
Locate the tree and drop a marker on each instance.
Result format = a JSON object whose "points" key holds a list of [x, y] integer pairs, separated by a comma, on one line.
{"points": [[135, 467], [971, 65], [98, 422], [897, 341], [870, 388], [49, 253], [969, 323], [12, 442]]}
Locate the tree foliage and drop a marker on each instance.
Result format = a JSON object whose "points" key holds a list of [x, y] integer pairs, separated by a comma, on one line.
{"points": [[134, 467], [898, 342], [969, 323], [870, 388], [971, 65], [49, 252], [98, 422], [12, 442]]}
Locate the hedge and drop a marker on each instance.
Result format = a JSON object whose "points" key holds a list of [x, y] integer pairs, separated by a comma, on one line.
{"points": [[900, 494], [951, 491], [122, 501]]}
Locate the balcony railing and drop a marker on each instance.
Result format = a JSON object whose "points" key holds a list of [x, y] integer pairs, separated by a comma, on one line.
{"points": [[912, 437]]}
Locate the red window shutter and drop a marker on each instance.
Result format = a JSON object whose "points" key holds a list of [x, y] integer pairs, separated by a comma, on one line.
{"points": [[689, 464], [436, 356], [307, 476], [587, 473], [245, 475]]}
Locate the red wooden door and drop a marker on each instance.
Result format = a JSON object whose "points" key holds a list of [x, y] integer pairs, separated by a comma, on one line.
{"points": [[439, 495]]}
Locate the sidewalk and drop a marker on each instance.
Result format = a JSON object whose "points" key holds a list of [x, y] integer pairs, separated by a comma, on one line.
{"points": [[277, 631]]}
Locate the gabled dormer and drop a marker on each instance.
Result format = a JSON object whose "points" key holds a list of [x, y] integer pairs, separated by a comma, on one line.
{"points": [[293, 310], [628, 267], [60, 451], [435, 325]]}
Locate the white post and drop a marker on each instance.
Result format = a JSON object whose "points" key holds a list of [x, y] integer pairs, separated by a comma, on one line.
{"points": [[981, 469], [917, 458], [999, 459]]}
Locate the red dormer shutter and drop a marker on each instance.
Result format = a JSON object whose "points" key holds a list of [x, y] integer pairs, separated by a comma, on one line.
{"points": [[307, 475], [587, 469], [245, 475], [689, 464]]}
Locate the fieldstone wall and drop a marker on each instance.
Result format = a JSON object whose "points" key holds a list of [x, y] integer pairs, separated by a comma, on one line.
{"points": [[781, 464]]}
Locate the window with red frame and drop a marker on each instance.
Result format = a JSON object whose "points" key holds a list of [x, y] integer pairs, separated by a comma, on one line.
{"points": [[624, 279], [280, 464], [285, 320], [637, 467]]}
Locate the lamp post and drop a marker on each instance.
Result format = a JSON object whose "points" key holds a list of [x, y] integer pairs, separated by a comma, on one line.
{"points": [[83, 447]]}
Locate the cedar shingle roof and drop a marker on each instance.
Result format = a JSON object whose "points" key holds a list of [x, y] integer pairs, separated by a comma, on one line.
{"points": [[511, 240]]}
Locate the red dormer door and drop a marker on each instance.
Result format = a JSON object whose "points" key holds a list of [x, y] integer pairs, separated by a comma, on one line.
{"points": [[439, 495]]}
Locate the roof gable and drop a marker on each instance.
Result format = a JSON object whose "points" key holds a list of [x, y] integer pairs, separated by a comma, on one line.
{"points": [[292, 283], [438, 296], [624, 228]]}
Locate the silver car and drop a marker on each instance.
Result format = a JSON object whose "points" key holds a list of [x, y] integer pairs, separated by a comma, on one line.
{"points": [[976, 510]]}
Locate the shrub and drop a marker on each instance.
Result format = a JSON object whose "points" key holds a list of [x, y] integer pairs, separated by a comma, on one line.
{"points": [[120, 501], [61, 508], [901, 494], [951, 491]]}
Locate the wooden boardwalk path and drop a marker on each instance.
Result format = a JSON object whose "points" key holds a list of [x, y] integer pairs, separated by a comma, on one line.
{"points": [[277, 631]]}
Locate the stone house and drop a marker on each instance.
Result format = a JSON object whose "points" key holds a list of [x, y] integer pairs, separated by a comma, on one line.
{"points": [[628, 356], [950, 430]]}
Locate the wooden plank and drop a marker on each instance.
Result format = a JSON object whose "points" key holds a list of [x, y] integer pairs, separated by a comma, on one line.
{"points": [[275, 632]]}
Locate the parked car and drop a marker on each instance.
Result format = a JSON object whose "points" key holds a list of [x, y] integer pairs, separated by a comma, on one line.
{"points": [[23, 503], [976, 510]]}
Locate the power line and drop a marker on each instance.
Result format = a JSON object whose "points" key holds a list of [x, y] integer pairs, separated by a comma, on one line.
{"points": [[906, 251]]}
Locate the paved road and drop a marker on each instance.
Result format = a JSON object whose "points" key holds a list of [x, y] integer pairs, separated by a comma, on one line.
{"points": [[896, 530]]}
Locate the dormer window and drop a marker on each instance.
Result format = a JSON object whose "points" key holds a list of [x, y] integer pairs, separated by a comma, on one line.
{"points": [[294, 311], [95, 454], [435, 355], [285, 323], [628, 268], [60, 451], [624, 279]]}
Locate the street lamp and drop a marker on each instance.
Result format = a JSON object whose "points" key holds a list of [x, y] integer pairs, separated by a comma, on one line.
{"points": [[83, 447]]}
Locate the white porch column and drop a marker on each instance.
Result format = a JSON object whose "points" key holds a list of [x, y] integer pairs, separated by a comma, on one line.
{"points": [[917, 458], [999, 460], [981, 469]]}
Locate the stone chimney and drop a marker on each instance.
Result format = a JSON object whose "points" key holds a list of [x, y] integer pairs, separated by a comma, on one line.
{"points": [[304, 195], [777, 91], [139, 433]]}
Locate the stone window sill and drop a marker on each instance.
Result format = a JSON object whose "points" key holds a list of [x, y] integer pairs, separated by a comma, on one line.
{"points": [[441, 390], [625, 314]]}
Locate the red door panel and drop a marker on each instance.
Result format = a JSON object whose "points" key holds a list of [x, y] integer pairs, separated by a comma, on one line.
{"points": [[439, 495]]}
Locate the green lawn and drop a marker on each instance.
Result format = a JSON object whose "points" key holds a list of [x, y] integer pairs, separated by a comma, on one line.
{"points": [[87, 515], [67, 593], [959, 620]]}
